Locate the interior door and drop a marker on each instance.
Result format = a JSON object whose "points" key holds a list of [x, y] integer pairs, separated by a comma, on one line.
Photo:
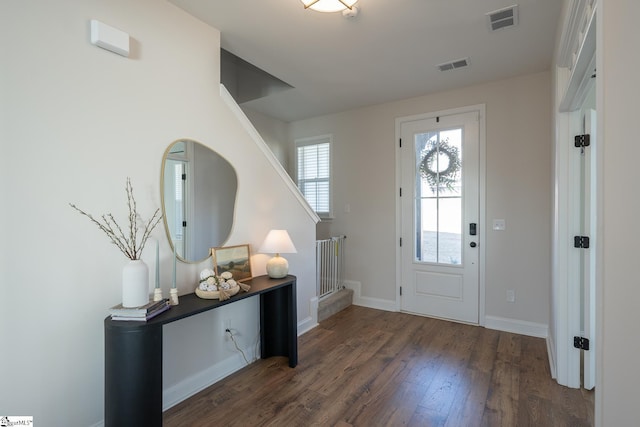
{"points": [[588, 256], [440, 228]]}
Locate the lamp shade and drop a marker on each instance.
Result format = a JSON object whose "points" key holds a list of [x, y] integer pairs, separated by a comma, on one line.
{"points": [[328, 5], [278, 242]]}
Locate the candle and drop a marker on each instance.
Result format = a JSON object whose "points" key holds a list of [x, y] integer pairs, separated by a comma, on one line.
{"points": [[157, 265], [174, 267]]}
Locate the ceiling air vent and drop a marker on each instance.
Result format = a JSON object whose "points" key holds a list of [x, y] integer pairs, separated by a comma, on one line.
{"points": [[503, 18], [452, 65]]}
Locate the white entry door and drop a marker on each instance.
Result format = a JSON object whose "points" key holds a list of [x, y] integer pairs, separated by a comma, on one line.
{"points": [[440, 230]]}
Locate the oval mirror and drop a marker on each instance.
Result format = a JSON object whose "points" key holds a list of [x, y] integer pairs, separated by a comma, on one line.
{"points": [[198, 199]]}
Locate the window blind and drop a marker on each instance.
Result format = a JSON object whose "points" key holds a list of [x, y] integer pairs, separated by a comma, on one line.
{"points": [[314, 174]]}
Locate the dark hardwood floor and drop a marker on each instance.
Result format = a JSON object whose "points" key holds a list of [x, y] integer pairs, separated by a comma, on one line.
{"points": [[365, 367]]}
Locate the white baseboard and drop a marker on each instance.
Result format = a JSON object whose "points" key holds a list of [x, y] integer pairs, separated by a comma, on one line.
{"points": [[522, 327], [377, 303], [516, 326], [305, 325], [203, 379], [190, 386]]}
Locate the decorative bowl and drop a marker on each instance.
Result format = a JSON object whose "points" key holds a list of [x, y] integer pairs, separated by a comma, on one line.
{"points": [[216, 294]]}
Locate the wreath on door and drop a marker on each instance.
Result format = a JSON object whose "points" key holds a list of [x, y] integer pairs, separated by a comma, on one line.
{"points": [[440, 164]]}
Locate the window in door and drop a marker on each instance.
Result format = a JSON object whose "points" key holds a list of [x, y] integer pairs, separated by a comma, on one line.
{"points": [[439, 196], [313, 172]]}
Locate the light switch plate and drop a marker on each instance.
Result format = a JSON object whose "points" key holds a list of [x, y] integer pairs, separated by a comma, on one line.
{"points": [[499, 224]]}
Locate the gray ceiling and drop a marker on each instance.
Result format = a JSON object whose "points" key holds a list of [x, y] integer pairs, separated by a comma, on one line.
{"points": [[388, 52]]}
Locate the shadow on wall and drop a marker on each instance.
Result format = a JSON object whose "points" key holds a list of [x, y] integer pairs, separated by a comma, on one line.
{"points": [[323, 230]]}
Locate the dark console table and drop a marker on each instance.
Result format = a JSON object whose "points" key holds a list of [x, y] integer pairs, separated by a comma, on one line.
{"points": [[133, 350]]}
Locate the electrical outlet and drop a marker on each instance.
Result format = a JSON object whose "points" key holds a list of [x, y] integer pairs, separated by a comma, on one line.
{"points": [[511, 295], [226, 324]]}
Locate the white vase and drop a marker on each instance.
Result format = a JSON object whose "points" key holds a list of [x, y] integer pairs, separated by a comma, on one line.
{"points": [[135, 284]]}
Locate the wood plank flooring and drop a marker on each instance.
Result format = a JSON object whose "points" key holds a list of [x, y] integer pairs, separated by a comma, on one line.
{"points": [[365, 367]]}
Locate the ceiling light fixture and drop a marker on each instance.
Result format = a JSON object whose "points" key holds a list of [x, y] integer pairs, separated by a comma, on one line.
{"points": [[329, 5]]}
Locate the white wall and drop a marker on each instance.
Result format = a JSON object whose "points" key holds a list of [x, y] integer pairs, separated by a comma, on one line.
{"points": [[619, 293], [76, 120], [275, 134], [518, 186]]}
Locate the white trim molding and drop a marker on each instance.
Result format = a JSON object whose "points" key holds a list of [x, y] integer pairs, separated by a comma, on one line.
{"points": [[189, 386], [583, 64], [203, 379], [573, 68], [307, 324], [516, 326], [370, 302], [253, 133], [577, 17], [551, 353]]}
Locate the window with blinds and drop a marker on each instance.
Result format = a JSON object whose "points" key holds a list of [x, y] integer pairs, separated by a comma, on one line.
{"points": [[313, 165]]}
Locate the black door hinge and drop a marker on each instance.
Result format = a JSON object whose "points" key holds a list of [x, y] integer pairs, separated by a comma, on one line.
{"points": [[401, 241], [581, 242], [400, 290], [400, 142], [401, 192], [581, 342], [582, 140], [184, 176], [184, 223]]}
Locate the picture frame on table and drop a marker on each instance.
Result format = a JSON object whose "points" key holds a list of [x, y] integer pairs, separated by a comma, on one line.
{"points": [[235, 259]]}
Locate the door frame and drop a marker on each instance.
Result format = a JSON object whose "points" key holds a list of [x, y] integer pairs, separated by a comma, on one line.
{"points": [[593, 205], [480, 109], [572, 74]]}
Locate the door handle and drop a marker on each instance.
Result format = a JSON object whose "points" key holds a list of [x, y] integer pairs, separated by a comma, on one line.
{"points": [[473, 244]]}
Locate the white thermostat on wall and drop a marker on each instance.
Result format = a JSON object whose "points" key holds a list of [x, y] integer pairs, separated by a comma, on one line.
{"points": [[109, 38]]}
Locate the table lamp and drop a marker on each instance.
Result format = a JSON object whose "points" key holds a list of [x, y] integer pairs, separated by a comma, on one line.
{"points": [[277, 242]]}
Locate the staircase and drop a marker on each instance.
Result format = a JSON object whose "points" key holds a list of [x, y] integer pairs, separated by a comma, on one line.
{"points": [[334, 303], [329, 281]]}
